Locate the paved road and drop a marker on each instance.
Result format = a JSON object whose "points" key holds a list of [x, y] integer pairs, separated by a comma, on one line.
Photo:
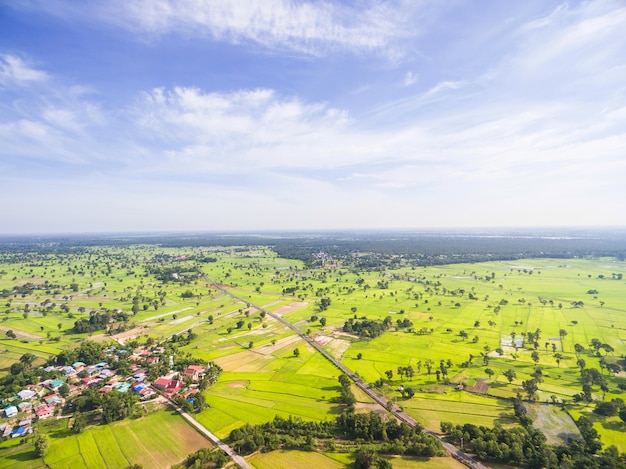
{"points": [[202, 429], [455, 452]]}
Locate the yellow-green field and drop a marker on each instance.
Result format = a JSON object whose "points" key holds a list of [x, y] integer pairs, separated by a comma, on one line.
{"points": [[159, 439], [570, 301], [304, 460]]}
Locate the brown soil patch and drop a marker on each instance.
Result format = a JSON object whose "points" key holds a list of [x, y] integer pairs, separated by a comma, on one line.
{"points": [[338, 347], [481, 387], [322, 339], [363, 407], [339, 331], [289, 308]]}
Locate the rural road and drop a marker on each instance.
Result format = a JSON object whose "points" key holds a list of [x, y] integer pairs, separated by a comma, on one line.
{"points": [[455, 452], [202, 429]]}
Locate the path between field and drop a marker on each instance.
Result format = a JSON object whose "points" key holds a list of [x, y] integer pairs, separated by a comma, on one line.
{"points": [[206, 433], [455, 452]]}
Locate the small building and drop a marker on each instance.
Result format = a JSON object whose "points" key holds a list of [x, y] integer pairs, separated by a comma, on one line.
{"points": [[25, 406], [68, 370], [139, 387], [10, 411], [6, 430], [174, 387], [52, 399], [26, 394], [122, 387], [146, 393], [21, 431], [162, 383], [45, 411], [55, 384], [26, 422], [195, 372]]}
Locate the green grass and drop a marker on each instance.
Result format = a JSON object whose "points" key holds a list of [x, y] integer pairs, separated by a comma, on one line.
{"points": [[276, 382], [156, 440], [293, 459], [300, 459]]}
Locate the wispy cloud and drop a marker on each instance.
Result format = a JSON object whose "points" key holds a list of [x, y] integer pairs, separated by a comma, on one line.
{"points": [[305, 27], [410, 78], [14, 70], [538, 121]]}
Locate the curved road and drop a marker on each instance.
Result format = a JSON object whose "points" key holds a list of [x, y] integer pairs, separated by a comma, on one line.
{"points": [[455, 452]]}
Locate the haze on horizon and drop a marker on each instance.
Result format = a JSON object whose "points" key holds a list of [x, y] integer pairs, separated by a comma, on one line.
{"points": [[136, 115]]}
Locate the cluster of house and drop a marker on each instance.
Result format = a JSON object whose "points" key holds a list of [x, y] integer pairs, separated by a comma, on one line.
{"points": [[42, 400], [174, 384]]}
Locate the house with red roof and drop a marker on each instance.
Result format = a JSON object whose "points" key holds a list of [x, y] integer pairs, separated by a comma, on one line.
{"points": [[195, 372], [44, 411]]}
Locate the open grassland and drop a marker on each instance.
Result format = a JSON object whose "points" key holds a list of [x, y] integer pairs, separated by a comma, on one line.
{"points": [[257, 386], [467, 315], [293, 459], [159, 439], [299, 459], [464, 319]]}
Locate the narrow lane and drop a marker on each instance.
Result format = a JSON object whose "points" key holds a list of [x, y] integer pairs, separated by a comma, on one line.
{"points": [[207, 434]]}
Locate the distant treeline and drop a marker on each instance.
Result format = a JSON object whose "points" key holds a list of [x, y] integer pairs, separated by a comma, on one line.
{"points": [[364, 250]]}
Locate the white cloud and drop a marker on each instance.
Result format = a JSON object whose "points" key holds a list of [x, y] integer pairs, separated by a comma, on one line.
{"points": [[410, 79], [14, 70], [307, 27]]}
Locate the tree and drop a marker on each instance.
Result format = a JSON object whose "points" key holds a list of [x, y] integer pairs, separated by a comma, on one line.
{"points": [[27, 360], [296, 352], [531, 388], [359, 356], [562, 334], [64, 390], [323, 322], [489, 372], [510, 375], [42, 443], [535, 357], [80, 422], [607, 348], [364, 458]]}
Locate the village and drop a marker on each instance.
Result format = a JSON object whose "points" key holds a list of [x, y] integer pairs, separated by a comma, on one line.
{"points": [[120, 371]]}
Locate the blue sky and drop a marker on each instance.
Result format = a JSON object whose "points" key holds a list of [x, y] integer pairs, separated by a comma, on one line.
{"points": [[141, 115]]}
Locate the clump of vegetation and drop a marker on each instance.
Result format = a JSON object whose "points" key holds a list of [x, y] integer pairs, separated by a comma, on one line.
{"points": [[367, 328]]}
